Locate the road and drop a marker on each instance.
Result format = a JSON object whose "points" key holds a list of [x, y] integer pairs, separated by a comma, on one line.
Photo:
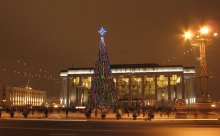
{"points": [[108, 128]]}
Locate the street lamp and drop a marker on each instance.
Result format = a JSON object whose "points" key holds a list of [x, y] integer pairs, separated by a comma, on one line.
{"points": [[201, 40], [188, 35], [204, 30]]}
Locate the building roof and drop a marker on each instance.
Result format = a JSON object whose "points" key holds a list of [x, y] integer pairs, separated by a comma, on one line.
{"points": [[150, 65], [132, 68]]}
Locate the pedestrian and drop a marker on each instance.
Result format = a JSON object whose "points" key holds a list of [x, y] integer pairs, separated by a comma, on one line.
{"points": [[67, 111], [150, 115], [143, 113], [0, 113], [25, 113], [46, 112]]}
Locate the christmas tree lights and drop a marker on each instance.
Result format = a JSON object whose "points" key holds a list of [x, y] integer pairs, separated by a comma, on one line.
{"points": [[102, 90]]}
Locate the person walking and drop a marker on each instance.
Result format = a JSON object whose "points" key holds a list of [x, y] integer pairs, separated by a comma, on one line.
{"points": [[46, 113], [67, 112], [150, 115]]}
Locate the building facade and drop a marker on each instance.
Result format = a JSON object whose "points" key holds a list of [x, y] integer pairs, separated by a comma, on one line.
{"points": [[135, 84], [19, 96], [53, 102]]}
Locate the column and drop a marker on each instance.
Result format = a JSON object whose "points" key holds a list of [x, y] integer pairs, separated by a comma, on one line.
{"points": [[68, 93], [175, 97], [116, 88], [130, 96], [169, 89], [76, 88], [183, 87], [81, 91], [156, 90], [143, 87]]}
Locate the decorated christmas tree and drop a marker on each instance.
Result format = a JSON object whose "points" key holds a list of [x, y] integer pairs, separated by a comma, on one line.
{"points": [[102, 90]]}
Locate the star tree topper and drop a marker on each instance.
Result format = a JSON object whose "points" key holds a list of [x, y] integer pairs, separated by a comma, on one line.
{"points": [[102, 31]]}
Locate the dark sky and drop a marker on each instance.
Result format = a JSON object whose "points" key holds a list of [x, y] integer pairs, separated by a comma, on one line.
{"points": [[53, 35]]}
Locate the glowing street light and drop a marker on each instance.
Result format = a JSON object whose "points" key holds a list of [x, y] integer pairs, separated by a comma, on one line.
{"points": [[200, 40], [204, 30], [188, 35], [215, 34]]}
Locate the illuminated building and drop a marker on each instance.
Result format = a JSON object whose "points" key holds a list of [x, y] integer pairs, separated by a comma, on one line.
{"points": [[52, 101], [19, 96], [135, 84]]}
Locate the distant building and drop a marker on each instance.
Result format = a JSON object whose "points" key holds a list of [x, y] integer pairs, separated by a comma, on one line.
{"points": [[135, 84], [53, 101], [19, 96]]}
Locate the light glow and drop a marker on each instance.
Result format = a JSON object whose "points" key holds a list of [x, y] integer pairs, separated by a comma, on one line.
{"points": [[215, 34], [204, 30], [63, 74], [55, 106], [130, 70], [213, 105], [80, 107], [188, 35]]}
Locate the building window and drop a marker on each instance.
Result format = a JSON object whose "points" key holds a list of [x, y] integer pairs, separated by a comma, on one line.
{"points": [[174, 79], [136, 86], [123, 86], [162, 83], [149, 84], [86, 82], [75, 81]]}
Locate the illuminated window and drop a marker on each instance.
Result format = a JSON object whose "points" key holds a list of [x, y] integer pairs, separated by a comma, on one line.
{"points": [[174, 79], [136, 86], [149, 84], [86, 82], [162, 81], [75, 80], [123, 86]]}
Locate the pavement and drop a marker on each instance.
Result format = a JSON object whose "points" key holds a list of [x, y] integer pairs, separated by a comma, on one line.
{"points": [[57, 124], [109, 116], [63, 127]]}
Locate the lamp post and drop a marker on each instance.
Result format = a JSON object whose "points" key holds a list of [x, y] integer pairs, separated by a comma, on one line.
{"points": [[201, 40]]}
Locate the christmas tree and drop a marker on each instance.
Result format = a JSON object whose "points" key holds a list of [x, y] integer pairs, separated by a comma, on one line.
{"points": [[102, 90]]}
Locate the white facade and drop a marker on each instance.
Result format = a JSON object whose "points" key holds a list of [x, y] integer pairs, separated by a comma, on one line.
{"points": [[135, 84], [18, 96]]}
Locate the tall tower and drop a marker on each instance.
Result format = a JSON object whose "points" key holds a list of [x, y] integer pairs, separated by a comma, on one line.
{"points": [[203, 73], [102, 90], [201, 40]]}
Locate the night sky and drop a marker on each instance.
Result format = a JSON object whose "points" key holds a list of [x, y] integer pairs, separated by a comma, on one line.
{"points": [[42, 37]]}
